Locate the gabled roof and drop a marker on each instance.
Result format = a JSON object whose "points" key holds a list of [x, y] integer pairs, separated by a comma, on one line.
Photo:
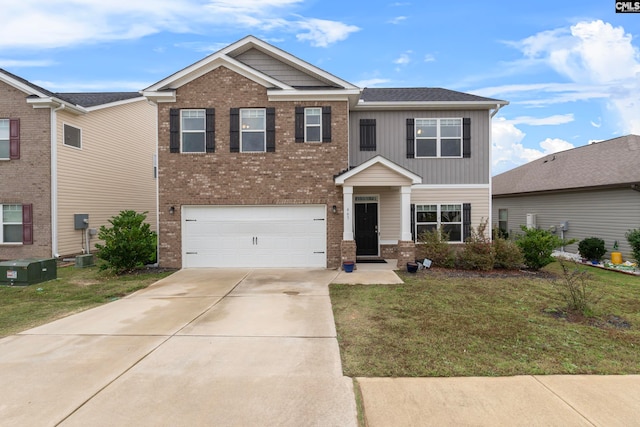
{"points": [[94, 99], [164, 90], [614, 162], [378, 160], [423, 97]]}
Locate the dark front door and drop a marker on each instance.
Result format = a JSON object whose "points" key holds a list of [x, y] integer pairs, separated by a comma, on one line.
{"points": [[366, 229]]}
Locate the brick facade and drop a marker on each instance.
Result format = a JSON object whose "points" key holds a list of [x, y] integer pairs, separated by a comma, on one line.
{"points": [[296, 173], [28, 180]]}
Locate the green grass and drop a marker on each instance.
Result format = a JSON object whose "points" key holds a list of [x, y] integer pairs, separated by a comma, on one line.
{"points": [[23, 307], [439, 325]]}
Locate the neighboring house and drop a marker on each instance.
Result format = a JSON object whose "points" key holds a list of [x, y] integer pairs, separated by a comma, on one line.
{"points": [[268, 161], [66, 154], [593, 190]]}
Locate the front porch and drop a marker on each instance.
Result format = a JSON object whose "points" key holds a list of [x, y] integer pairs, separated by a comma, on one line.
{"points": [[377, 211]]}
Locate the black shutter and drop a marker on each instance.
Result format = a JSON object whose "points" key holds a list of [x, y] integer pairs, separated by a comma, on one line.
{"points": [[466, 137], [413, 222], [271, 130], [234, 130], [410, 139], [466, 221], [14, 139], [27, 224], [326, 124], [367, 134], [210, 130], [174, 130], [299, 124]]}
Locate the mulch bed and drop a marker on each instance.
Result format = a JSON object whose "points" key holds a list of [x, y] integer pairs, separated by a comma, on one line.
{"points": [[496, 273]]}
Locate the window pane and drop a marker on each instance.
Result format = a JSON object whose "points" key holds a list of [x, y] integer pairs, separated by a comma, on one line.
{"points": [[4, 129], [427, 217], [253, 141], [454, 231], [72, 136], [12, 233], [193, 142], [12, 213], [424, 228], [426, 128], [312, 116], [450, 128], [450, 148], [193, 123], [426, 148], [4, 149], [502, 214], [451, 213], [252, 119], [313, 134]]}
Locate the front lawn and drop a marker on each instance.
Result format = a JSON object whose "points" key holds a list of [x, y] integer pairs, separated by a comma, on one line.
{"points": [[448, 323], [23, 307]]}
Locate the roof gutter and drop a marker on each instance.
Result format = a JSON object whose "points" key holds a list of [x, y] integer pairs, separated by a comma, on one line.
{"points": [[498, 107]]}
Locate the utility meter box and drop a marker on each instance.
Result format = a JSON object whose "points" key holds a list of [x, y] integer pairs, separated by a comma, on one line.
{"points": [[80, 221], [29, 271]]}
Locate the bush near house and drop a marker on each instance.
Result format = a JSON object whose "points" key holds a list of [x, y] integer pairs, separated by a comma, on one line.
{"points": [[508, 254], [478, 252], [537, 246], [434, 246], [592, 248], [128, 244], [633, 237]]}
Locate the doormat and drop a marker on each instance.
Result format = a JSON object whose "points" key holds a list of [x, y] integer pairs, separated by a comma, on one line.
{"points": [[371, 261]]}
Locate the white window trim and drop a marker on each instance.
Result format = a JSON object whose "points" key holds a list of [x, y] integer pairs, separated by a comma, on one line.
{"points": [[439, 222], [203, 131], [263, 131], [438, 138], [2, 224], [8, 140], [64, 139], [307, 125]]}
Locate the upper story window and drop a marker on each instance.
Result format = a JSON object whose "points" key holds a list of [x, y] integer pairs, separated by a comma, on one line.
{"points": [[72, 136], [193, 127], [4, 138], [11, 218], [253, 130], [312, 124], [438, 137]]}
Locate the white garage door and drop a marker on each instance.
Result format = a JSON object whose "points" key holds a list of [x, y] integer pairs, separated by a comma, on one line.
{"points": [[254, 236]]}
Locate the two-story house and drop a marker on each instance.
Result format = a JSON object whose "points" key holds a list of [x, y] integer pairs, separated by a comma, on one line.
{"points": [[63, 154], [268, 161]]}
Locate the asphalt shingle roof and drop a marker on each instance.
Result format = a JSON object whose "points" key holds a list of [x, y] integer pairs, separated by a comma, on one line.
{"points": [[91, 99], [421, 94], [612, 162]]}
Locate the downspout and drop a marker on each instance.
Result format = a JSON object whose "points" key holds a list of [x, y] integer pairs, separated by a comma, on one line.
{"points": [[54, 181], [492, 114]]}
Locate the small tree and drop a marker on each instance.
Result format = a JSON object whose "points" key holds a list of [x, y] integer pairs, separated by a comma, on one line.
{"points": [[633, 237], [592, 248], [537, 246], [128, 244], [576, 288]]}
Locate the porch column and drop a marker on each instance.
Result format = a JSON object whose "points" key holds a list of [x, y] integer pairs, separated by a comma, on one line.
{"points": [[347, 216], [405, 213]]}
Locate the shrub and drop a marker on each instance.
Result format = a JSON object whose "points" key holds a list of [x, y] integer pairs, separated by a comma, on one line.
{"points": [[537, 246], [633, 237], [507, 254], [433, 245], [477, 253], [592, 248], [576, 289], [128, 244]]}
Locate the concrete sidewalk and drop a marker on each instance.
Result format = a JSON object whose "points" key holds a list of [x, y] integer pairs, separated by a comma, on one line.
{"points": [[199, 348]]}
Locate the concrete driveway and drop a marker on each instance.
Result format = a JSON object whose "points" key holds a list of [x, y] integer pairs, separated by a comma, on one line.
{"points": [[200, 348]]}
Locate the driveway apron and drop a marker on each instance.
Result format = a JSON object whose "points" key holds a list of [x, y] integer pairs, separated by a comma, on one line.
{"points": [[202, 347]]}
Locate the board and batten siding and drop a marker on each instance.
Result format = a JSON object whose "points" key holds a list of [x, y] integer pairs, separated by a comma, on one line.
{"points": [[391, 136], [607, 214], [277, 69], [112, 172]]}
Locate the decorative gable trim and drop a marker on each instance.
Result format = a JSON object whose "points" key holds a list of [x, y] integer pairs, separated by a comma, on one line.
{"points": [[415, 179]]}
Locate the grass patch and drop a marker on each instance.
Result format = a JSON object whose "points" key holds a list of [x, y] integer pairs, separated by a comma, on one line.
{"points": [[75, 289], [443, 324]]}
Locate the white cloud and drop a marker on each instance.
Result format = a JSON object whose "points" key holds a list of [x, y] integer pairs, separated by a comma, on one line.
{"points": [[62, 23], [99, 86], [17, 63], [404, 58], [596, 125], [371, 82], [509, 152], [558, 119], [397, 20], [429, 58]]}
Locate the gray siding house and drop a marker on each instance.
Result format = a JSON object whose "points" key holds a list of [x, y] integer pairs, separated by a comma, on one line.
{"points": [[587, 191]]}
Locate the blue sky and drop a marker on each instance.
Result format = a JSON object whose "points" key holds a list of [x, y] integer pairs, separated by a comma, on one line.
{"points": [[570, 69]]}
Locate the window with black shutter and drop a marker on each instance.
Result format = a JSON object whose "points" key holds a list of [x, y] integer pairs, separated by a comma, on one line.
{"points": [[367, 134]]}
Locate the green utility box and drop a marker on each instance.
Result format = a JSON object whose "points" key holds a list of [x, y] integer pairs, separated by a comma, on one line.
{"points": [[29, 271]]}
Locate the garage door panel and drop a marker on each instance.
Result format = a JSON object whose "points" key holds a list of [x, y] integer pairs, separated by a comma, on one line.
{"points": [[254, 236]]}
